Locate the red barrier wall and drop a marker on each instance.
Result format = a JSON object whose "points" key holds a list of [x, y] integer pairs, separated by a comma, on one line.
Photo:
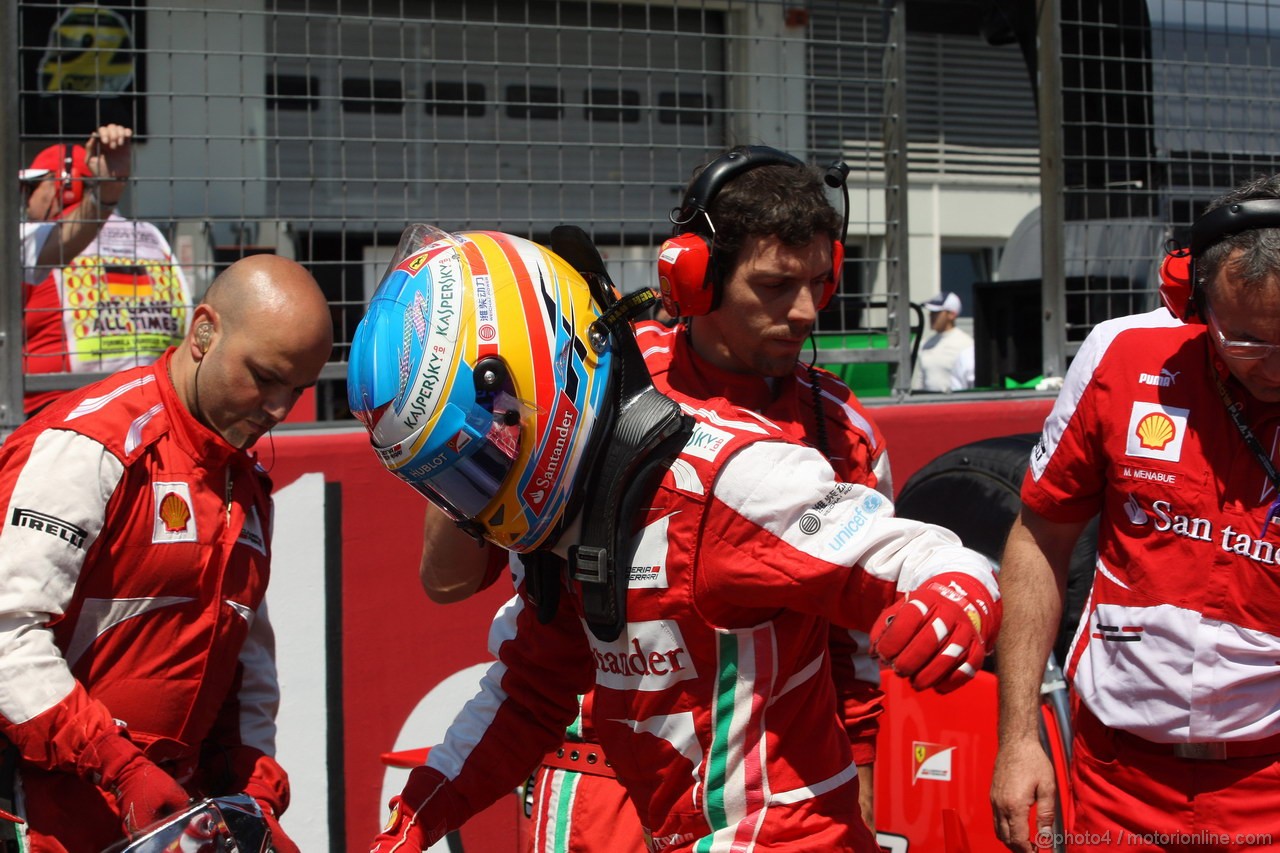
{"points": [[919, 432], [397, 645]]}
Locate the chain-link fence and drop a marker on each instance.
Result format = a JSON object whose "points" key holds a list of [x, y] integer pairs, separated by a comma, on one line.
{"points": [[318, 129], [1163, 105]]}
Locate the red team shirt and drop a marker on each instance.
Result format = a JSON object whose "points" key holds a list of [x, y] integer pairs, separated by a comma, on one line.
{"points": [[134, 558], [574, 810], [1179, 641], [854, 447]]}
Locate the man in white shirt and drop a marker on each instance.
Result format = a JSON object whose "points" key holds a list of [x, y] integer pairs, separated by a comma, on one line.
{"points": [[945, 361]]}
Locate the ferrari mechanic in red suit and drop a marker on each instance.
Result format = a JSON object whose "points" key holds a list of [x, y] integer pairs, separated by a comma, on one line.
{"points": [[136, 656]]}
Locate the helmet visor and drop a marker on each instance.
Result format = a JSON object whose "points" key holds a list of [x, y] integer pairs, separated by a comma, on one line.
{"points": [[468, 471], [471, 483]]}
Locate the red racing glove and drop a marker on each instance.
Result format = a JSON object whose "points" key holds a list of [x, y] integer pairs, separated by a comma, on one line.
{"points": [[269, 786], [419, 815], [280, 842], [938, 634], [144, 793]]}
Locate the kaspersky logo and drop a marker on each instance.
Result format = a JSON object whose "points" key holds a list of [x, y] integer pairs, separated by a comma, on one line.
{"points": [[547, 467]]}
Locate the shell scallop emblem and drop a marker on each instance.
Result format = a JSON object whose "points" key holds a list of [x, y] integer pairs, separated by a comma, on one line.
{"points": [[174, 512], [1155, 431]]}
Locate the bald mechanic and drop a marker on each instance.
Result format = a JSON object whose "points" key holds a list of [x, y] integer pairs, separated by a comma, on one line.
{"points": [[136, 656]]}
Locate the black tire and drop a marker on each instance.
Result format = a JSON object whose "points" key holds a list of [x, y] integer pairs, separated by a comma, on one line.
{"points": [[973, 490]]}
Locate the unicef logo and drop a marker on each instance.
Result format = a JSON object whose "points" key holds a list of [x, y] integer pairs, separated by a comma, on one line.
{"points": [[810, 523]]}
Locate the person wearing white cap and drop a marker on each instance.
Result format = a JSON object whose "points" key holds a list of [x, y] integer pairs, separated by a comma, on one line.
{"points": [[945, 362]]}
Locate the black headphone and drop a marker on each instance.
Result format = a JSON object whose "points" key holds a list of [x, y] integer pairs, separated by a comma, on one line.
{"points": [[1229, 219], [1178, 288], [687, 271]]}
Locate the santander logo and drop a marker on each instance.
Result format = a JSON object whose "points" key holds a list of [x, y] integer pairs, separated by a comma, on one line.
{"points": [[649, 656], [547, 467]]}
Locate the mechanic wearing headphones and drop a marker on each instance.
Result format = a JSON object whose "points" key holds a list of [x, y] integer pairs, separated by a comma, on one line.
{"points": [[757, 252], [695, 592], [1169, 431], [100, 292]]}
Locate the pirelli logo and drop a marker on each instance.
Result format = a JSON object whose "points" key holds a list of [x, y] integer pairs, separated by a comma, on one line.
{"points": [[50, 524]]}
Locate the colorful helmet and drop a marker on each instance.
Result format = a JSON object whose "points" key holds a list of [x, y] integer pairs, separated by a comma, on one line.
{"points": [[473, 373]]}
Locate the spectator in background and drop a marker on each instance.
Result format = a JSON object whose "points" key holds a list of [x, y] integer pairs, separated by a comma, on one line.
{"points": [[135, 650], [945, 362], [100, 292]]}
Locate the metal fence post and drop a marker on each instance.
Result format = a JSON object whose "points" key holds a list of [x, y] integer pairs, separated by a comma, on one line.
{"points": [[1052, 206], [10, 244], [896, 231]]}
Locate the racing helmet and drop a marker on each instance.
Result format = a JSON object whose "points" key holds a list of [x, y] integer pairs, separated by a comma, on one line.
{"points": [[474, 372], [228, 824]]}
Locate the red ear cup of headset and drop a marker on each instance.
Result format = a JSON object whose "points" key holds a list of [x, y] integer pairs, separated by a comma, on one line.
{"points": [[837, 267], [683, 280], [686, 288], [687, 277], [1175, 283]]}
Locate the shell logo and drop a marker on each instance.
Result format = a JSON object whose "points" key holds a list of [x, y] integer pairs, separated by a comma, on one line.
{"points": [[174, 512], [1155, 431], [665, 288]]}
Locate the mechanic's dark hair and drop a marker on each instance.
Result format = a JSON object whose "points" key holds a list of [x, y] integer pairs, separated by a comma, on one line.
{"points": [[787, 202], [1260, 261]]}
